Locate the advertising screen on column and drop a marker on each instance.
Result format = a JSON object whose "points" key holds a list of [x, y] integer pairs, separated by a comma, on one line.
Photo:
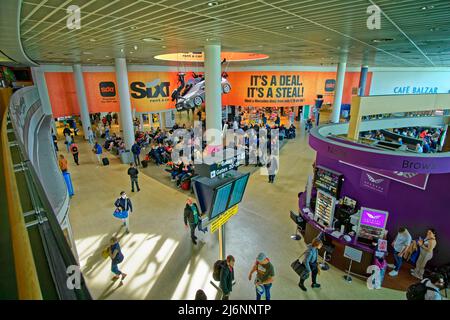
{"points": [[220, 201], [238, 190]]}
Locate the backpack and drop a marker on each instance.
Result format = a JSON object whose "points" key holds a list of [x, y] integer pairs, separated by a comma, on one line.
{"points": [[218, 265], [417, 291], [74, 149]]}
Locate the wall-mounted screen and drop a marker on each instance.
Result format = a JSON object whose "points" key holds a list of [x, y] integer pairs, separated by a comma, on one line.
{"points": [[220, 202], [238, 190]]}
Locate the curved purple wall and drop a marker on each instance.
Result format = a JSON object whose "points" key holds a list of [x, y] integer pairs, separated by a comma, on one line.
{"points": [[407, 206]]}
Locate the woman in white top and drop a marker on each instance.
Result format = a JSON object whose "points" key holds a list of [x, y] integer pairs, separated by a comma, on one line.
{"points": [[426, 247]]}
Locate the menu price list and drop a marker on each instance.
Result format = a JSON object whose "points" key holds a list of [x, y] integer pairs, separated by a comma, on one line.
{"points": [[324, 207], [327, 181]]}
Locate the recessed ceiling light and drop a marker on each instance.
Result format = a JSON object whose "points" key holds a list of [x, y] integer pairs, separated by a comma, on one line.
{"points": [[383, 40], [328, 39], [428, 7], [92, 40], [107, 56], [163, 47], [133, 28], [213, 3], [151, 39], [121, 50], [135, 47], [435, 29], [289, 27], [131, 51], [86, 52], [88, 59]]}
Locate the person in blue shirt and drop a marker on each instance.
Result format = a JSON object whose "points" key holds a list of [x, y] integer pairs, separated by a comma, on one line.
{"points": [[136, 150], [116, 255], [400, 244], [124, 205], [311, 266], [98, 152]]}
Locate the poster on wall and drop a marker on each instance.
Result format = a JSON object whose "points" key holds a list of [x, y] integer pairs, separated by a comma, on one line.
{"points": [[151, 91]]}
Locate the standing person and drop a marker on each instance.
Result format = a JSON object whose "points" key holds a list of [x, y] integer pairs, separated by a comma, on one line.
{"points": [[191, 215], [277, 120], [265, 274], [434, 285], [133, 173], [116, 255], [98, 150], [136, 150], [62, 163], [68, 142], [400, 244], [109, 118], [272, 168], [67, 131], [107, 131], [310, 263], [227, 277], [200, 295], [123, 209], [74, 150], [426, 246], [90, 135]]}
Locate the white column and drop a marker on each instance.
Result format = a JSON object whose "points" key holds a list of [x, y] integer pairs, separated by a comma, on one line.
{"points": [[340, 77], [41, 84], [213, 87], [125, 103], [82, 99]]}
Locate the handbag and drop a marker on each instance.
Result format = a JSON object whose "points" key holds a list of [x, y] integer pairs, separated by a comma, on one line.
{"points": [[120, 214], [105, 253], [300, 268]]}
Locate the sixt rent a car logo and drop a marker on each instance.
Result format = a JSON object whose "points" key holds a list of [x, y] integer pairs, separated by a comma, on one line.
{"points": [[154, 89], [107, 89], [330, 84]]}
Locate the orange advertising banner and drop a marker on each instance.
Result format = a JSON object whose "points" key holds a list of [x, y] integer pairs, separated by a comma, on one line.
{"points": [[151, 91]]}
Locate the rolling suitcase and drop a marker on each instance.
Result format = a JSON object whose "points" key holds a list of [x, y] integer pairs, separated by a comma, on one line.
{"points": [[144, 163], [105, 161], [186, 184], [68, 181]]}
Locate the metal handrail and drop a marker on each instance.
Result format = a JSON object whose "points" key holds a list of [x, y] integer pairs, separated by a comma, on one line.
{"points": [[28, 287]]}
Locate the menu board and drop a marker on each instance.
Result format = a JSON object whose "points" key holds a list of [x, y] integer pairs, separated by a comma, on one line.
{"points": [[372, 223], [325, 204], [328, 180]]}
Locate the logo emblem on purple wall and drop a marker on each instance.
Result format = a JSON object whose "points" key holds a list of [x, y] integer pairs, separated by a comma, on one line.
{"points": [[374, 182]]}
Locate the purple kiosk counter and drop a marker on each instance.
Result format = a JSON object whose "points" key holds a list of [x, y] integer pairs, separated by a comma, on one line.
{"points": [[410, 189]]}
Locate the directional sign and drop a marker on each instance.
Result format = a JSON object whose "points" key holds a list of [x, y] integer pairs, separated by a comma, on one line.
{"points": [[223, 218]]}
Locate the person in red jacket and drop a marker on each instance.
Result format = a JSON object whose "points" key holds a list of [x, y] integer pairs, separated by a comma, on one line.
{"points": [[74, 150]]}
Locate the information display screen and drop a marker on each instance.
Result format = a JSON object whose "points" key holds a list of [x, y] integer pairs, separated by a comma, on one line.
{"points": [[220, 200], [238, 190], [328, 181]]}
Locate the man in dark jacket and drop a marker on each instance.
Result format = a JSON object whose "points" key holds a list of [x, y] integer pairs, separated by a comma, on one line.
{"points": [[133, 173], [124, 204], [136, 150], [192, 215], [227, 278]]}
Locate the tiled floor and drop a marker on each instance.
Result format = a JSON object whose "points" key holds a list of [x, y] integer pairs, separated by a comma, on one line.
{"points": [[160, 259]]}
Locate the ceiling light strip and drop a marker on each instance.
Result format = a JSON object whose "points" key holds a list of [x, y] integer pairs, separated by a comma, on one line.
{"points": [[407, 37], [338, 32]]}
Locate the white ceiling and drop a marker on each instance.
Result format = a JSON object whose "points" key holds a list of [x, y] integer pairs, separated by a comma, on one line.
{"points": [[291, 32]]}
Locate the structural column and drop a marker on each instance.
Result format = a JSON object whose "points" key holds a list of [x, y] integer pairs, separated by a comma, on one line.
{"points": [[363, 80], [41, 84], [125, 103], [213, 87], [340, 78], [82, 100]]}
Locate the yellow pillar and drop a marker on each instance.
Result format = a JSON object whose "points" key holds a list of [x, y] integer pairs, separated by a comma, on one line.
{"points": [[355, 118]]}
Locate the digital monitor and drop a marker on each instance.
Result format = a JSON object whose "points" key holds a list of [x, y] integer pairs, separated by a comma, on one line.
{"points": [[238, 190], [220, 200], [373, 218], [349, 202]]}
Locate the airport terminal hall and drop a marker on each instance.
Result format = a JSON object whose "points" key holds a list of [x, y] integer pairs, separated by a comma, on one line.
{"points": [[237, 151]]}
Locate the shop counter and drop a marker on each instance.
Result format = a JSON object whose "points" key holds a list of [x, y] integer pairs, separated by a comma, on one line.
{"points": [[313, 229]]}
